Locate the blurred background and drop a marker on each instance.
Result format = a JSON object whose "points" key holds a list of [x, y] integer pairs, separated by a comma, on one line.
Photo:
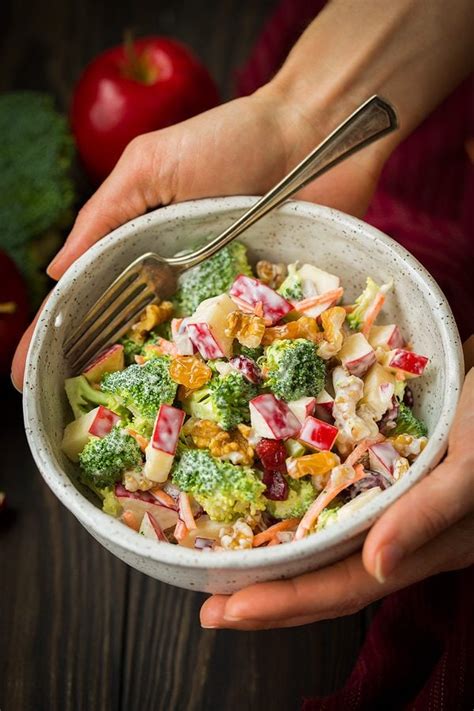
{"points": [[78, 628]]}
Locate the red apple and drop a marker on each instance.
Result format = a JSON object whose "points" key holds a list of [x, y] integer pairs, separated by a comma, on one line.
{"points": [[162, 446], [382, 457], [108, 361], [302, 407], [182, 341], [128, 90], [98, 422], [150, 528], [386, 337], [207, 326], [139, 502], [249, 293], [357, 355], [323, 407], [317, 434], [272, 418], [410, 364]]}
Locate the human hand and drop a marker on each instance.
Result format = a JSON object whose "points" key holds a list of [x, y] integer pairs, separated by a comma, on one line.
{"points": [[427, 531], [242, 147]]}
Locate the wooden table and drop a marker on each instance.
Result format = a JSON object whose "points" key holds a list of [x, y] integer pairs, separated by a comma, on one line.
{"points": [[78, 628]]}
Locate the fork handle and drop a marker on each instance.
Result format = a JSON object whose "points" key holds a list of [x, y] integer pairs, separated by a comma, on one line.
{"points": [[372, 120]]}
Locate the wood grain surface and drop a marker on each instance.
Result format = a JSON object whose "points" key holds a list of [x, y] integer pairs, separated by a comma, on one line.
{"points": [[79, 630]]}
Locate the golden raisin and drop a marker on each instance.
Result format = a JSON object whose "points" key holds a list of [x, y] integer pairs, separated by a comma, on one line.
{"points": [[152, 316], [304, 327], [271, 274], [248, 329], [313, 464], [190, 371]]}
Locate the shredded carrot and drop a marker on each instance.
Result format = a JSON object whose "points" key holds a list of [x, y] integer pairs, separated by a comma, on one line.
{"points": [[329, 296], [163, 498], [141, 441], [372, 313], [361, 449], [180, 531], [323, 500], [185, 511], [274, 542], [163, 346], [267, 535], [130, 520]]}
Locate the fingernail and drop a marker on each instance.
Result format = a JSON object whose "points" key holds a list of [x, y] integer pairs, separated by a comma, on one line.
{"points": [[386, 560], [232, 618], [15, 385], [209, 627], [54, 262]]}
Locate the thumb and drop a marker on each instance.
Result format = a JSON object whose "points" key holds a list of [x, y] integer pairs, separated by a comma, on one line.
{"points": [[127, 192], [436, 503]]}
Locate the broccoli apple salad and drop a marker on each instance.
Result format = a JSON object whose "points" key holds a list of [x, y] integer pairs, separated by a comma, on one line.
{"points": [[251, 410]]}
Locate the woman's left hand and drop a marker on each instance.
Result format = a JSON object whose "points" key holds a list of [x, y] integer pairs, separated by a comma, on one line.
{"points": [[429, 530]]}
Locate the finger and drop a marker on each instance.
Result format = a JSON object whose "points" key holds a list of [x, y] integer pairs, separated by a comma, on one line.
{"points": [[340, 589], [19, 359], [129, 191], [434, 504]]}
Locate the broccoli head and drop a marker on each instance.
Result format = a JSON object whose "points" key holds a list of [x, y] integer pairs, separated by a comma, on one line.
{"points": [[301, 495], [365, 301], [328, 516], [225, 400], [36, 189], [83, 397], [293, 369], [212, 277], [103, 460], [142, 389], [407, 423], [292, 286], [224, 490]]}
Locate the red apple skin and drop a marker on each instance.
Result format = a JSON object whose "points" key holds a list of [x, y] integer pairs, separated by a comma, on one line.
{"points": [[317, 434], [104, 421], [109, 108], [408, 361]]}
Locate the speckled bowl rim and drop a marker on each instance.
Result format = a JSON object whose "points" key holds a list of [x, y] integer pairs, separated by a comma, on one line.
{"points": [[112, 530]]}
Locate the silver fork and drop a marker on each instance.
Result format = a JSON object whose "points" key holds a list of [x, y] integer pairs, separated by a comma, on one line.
{"points": [[151, 278]]}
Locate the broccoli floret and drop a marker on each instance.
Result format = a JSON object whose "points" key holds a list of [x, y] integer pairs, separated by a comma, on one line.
{"points": [[131, 348], [142, 388], [328, 516], [103, 460], [292, 286], [110, 503], [224, 490], [253, 353], [301, 495], [36, 189], [83, 397], [225, 399], [293, 369], [407, 423], [212, 277], [363, 302]]}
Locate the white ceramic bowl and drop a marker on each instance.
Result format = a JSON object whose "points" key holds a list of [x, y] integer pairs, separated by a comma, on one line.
{"points": [[297, 231]]}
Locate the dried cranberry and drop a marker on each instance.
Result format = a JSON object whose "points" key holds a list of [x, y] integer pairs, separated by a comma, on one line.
{"points": [[277, 486], [387, 422], [272, 454], [248, 368]]}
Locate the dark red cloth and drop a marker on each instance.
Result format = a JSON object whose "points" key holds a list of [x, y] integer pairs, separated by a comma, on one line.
{"points": [[419, 651]]}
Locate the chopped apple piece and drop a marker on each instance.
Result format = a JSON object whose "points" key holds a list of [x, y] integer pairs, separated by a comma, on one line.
{"points": [[302, 407], [317, 434], [357, 355], [324, 405], [150, 528], [98, 422], [386, 337], [139, 502], [379, 387], [410, 364], [323, 281], [161, 449], [183, 343], [108, 361], [382, 458], [272, 418], [249, 292], [206, 327]]}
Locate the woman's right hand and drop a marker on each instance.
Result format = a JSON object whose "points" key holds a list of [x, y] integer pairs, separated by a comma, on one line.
{"points": [[242, 147]]}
